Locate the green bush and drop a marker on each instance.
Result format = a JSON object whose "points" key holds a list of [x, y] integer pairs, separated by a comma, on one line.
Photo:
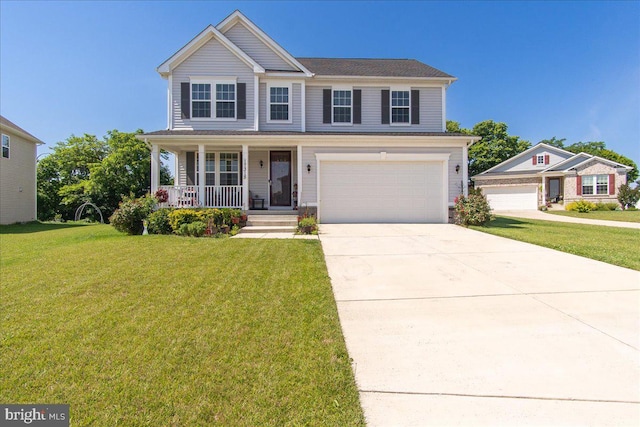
{"points": [[159, 222], [197, 228], [473, 209], [308, 225], [627, 196], [131, 213], [610, 206], [180, 217], [582, 206]]}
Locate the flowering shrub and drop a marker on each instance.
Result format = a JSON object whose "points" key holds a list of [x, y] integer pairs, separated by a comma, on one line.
{"points": [[583, 206], [162, 195], [130, 214], [472, 210], [159, 222]]}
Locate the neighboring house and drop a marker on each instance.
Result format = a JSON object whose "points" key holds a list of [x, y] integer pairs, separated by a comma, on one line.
{"points": [[353, 140], [17, 174], [544, 173]]}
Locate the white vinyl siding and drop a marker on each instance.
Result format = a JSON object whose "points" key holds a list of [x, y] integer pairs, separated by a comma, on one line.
{"points": [[525, 163], [295, 113], [309, 180], [18, 181], [430, 111], [259, 176], [256, 49], [210, 61]]}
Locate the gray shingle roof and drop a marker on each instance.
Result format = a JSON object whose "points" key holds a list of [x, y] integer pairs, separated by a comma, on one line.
{"points": [[370, 67], [211, 132]]}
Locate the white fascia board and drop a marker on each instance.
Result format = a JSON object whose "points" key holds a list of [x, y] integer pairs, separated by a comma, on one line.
{"points": [[600, 159], [285, 74], [205, 35], [319, 80], [238, 17], [570, 159], [323, 140], [490, 177], [10, 129], [528, 151]]}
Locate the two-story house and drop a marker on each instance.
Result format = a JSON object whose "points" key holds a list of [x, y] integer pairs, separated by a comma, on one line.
{"points": [[354, 140]]}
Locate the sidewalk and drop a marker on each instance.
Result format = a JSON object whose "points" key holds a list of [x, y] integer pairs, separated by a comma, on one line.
{"points": [[558, 218]]}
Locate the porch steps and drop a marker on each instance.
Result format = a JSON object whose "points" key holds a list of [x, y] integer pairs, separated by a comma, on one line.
{"points": [[270, 224]]}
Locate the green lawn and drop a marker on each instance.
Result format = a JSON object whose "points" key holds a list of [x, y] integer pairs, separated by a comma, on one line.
{"points": [[614, 245], [171, 331], [626, 216]]}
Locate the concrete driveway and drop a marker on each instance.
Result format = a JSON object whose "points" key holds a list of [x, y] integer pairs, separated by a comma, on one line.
{"points": [[449, 326]]}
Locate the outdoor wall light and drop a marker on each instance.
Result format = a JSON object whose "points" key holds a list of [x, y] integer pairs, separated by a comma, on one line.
{"points": [[308, 168], [457, 168], [261, 164]]}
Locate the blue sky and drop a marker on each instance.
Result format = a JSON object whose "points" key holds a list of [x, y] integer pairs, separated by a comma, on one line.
{"points": [[564, 69]]}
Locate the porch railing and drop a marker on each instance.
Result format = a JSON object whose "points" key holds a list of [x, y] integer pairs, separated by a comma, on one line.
{"points": [[215, 196]]}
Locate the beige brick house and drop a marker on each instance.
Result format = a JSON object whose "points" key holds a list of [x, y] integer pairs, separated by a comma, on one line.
{"points": [[17, 174], [544, 173]]}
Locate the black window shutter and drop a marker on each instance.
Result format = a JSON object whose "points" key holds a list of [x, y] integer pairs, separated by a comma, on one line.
{"points": [[385, 107], [415, 107], [242, 100], [191, 168], [185, 100], [357, 106], [326, 106]]}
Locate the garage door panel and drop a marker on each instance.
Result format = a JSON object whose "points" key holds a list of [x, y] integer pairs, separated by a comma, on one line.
{"points": [[521, 197], [381, 191]]}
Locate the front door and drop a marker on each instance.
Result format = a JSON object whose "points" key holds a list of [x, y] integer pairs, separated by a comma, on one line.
{"points": [[554, 189], [280, 179]]}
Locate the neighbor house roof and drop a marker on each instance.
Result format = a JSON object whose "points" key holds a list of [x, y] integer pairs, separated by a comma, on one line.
{"points": [[371, 67], [8, 124]]}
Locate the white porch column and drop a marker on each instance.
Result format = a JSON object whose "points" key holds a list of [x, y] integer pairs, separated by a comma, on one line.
{"points": [[245, 177], [465, 170], [299, 158], [201, 174], [155, 168]]}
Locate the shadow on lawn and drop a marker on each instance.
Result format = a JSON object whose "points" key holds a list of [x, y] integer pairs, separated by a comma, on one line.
{"points": [[503, 222], [36, 227]]}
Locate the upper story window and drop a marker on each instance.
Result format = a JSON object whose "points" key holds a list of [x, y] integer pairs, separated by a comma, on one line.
{"points": [[400, 106], [278, 103], [5, 146], [595, 184], [540, 159], [213, 100], [341, 106]]}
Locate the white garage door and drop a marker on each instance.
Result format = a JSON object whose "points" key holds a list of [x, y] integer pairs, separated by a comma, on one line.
{"points": [[522, 197], [381, 191]]}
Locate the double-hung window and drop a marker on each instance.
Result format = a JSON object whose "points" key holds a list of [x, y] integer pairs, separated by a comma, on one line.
{"points": [[229, 169], [213, 99], [595, 184], [209, 169], [5, 146], [278, 103], [400, 106], [341, 106]]}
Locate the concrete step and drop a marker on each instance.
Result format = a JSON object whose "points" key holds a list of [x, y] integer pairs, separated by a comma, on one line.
{"points": [[272, 220], [267, 229]]}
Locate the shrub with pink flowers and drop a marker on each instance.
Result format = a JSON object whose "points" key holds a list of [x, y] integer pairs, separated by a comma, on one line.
{"points": [[473, 209]]}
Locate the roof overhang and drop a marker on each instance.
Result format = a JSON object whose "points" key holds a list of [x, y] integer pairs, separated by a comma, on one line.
{"points": [[4, 127]]}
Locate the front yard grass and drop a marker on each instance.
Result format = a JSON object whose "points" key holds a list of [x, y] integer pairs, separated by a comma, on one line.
{"points": [[625, 216], [613, 245], [171, 331]]}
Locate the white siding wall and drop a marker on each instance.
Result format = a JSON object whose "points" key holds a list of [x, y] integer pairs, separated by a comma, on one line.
{"points": [[309, 180], [182, 168], [256, 49], [18, 181], [296, 104], [430, 111], [525, 163], [212, 59], [258, 177]]}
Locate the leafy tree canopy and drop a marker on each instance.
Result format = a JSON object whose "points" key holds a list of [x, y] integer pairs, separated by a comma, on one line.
{"points": [[102, 171]]}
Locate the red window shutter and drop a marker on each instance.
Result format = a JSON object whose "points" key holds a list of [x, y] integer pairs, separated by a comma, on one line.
{"points": [[546, 159], [533, 160], [612, 184], [579, 185]]}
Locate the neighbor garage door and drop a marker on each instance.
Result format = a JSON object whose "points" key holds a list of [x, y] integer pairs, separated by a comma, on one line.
{"points": [[381, 191], [522, 197]]}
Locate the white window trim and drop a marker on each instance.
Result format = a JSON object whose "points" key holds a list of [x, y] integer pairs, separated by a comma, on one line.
{"points": [[341, 88], [216, 166], [594, 186], [538, 162], [213, 81], [289, 87], [8, 146], [219, 171], [391, 107]]}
